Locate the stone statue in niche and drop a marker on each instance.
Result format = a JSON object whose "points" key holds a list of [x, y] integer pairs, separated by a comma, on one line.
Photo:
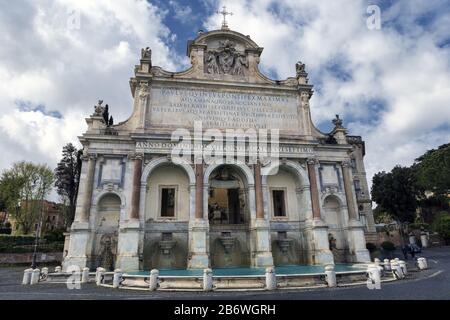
{"points": [[107, 254], [331, 241], [225, 60]]}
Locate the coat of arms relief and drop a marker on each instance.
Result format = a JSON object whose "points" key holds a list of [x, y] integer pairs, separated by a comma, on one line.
{"points": [[225, 60]]}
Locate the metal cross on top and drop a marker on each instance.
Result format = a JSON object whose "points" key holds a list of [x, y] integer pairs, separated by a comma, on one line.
{"points": [[224, 12]]}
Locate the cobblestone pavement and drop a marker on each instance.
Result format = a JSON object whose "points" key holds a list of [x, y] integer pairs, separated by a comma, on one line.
{"points": [[433, 283]]}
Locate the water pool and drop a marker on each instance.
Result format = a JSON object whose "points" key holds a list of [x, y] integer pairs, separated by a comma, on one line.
{"points": [[280, 270]]}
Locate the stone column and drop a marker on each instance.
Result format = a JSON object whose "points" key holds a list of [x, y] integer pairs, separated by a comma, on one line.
{"points": [[129, 229], [258, 192], [199, 191], [135, 197], [349, 192], [314, 190], [317, 230], [356, 238], [198, 227], [260, 228], [80, 233], [88, 187]]}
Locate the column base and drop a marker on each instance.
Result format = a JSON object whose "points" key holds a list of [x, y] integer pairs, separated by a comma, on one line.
{"points": [[198, 261], [70, 261], [78, 246], [321, 253], [127, 262], [262, 251], [357, 242], [128, 246], [198, 244], [262, 260]]}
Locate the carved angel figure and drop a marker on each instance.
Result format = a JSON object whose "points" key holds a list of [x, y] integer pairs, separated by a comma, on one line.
{"points": [[146, 53], [211, 63], [99, 109], [226, 60], [239, 62], [143, 89], [337, 122], [299, 68]]}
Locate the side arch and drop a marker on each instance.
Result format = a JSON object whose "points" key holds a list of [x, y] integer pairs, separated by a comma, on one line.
{"points": [[294, 168], [155, 163]]}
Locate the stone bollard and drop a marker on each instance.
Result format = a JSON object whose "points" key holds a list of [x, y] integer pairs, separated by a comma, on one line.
{"points": [[207, 280], [27, 276], [387, 265], [421, 263], [396, 270], [154, 274], [374, 280], [271, 279], [424, 239], [426, 262], [85, 275], [402, 265], [58, 269], [99, 275], [330, 276], [117, 278], [35, 274]]}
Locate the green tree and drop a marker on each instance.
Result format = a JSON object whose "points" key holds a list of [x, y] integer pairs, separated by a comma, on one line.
{"points": [[397, 193], [433, 170], [23, 187], [67, 175], [442, 226]]}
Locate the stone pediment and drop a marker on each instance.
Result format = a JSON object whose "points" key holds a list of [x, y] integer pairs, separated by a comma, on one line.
{"points": [[223, 55]]}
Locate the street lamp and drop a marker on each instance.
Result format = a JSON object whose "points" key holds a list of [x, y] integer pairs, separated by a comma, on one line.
{"points": [[38, 232]]}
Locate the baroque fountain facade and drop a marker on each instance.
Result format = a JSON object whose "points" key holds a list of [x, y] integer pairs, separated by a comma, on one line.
{"points": [[139, 209]]}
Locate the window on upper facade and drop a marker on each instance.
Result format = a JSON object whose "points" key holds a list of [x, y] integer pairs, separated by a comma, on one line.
{"points": [[168, 202], [357, 185], [279, 206], [353, 164]]}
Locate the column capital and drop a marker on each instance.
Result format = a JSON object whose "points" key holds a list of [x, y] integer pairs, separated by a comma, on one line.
{"points": [[135, 156], [312, 161], [89, 156], [346, 163]]}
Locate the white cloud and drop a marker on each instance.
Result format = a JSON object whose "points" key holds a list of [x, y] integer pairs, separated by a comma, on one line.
{"points": [[403, 66], [64, 56]]}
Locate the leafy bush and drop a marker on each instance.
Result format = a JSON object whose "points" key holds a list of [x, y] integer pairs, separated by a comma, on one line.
{"points": [[442, 225], [11, 248], [419, 226], [371, 247], [388, 246], [5, 230], [54, 236], [16, 240]]}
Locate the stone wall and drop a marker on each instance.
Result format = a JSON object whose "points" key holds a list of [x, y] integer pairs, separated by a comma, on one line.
{"points": [[19, 258]]}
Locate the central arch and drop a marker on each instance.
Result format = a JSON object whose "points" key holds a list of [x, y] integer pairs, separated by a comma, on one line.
{"points": [[228, 197]]}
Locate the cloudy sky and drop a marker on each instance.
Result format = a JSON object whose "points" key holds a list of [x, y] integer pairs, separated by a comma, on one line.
{"points": [[390, 85]]}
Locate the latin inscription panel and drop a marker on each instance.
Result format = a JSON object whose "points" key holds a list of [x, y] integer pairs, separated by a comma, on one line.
{"points": [[180, 107]]}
